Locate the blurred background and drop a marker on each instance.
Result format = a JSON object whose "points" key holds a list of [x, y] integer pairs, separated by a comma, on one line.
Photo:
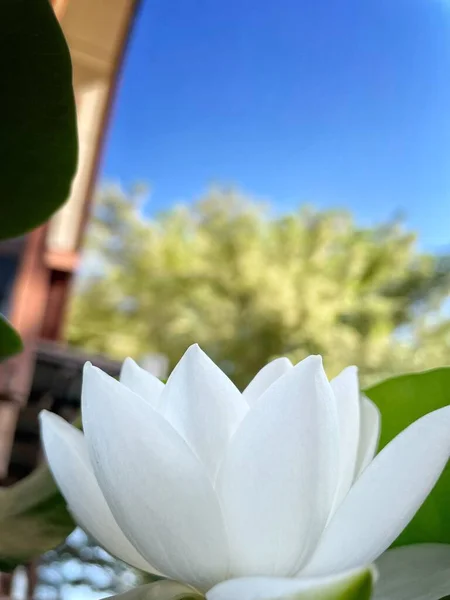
{"points": [[264, 178]]}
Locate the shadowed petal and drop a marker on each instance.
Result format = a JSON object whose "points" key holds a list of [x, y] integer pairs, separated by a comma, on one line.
{"points": [[141, 382], [65, 448], [161, 590], [278, 477], [203, 405], [265, 377], [346, 390], [157, 489], [369, 434], [386, 496]]}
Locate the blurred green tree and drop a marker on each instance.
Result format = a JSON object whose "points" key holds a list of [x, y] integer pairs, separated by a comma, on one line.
{"points": [[249, 287]]}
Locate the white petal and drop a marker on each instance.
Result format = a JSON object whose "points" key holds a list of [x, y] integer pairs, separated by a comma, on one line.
{"points": [[352, 585], [386, 496], [265, 377], [369, 434], [161, 590], [203, 405], [278, 477], [419, 572], [141, 382], [67, 455], [346, 390], [157, 489]]}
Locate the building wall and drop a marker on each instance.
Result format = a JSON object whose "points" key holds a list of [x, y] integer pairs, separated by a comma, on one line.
{"points": [[95, 31]]}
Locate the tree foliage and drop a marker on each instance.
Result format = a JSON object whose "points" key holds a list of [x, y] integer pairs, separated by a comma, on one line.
{"points": [[249, 287]]}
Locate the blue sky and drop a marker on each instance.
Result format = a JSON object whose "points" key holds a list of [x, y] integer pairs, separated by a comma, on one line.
{"points": [[338, 103]]}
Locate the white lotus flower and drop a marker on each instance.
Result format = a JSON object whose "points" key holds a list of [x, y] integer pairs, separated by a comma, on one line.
{"points": [[203, 484]]}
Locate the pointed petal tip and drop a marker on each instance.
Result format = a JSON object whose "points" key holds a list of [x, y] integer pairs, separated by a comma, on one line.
{"points": [[88, 373], [284, 360], [43, 415], [194, 350], [47, 425], [49, 419], [141, 382], [315, 361], [312, 358], [88, 370], [265, 378], [192, 353], [56, 433], [128, 365], [195, 355], [95, 388], [91, 371]]}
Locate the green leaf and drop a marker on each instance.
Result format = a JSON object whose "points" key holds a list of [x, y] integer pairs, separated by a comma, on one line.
{"points": [[357, 586], [360, 587], [10, 342], [33, 519], [162, 590], [401, 401], [38, 144]]}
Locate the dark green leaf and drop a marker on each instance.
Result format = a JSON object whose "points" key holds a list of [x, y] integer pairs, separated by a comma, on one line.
{"points": [[10, 342], [38, 142], [401, 401], [33, 519]]}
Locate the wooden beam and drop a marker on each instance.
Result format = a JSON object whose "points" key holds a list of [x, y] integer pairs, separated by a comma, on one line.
{"points": [[59, 7], [27, 310]]}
